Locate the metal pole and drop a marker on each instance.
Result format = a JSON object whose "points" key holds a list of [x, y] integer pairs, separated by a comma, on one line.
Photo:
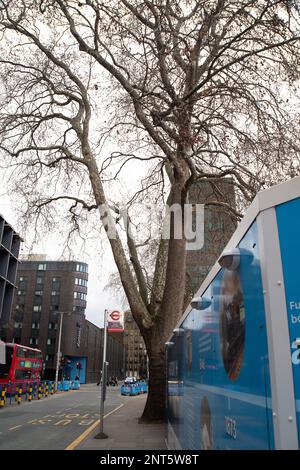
{"points": [[101, 434], [58, 350]]}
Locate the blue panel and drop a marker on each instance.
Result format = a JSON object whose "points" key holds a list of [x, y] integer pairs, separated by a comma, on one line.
{"points": [[218, 372], [288, 219], [71, 371]]}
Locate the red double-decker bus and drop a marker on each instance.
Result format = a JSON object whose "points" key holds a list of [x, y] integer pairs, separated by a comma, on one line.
{"points": [[23, 365]]}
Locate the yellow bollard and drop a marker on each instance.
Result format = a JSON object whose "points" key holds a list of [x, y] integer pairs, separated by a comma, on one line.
{"points": [[20, 395], [16, 392], [52, 388], [40, 392], [30, 393], [2, 396], [46, 389]]}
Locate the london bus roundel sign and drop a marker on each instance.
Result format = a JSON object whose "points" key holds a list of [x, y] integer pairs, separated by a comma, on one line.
{"points": [[115, 321]]}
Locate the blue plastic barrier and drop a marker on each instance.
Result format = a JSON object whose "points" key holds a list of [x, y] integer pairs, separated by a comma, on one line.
{"points": [[66, 385], [143, 386], [75, 385], [130, 389]]}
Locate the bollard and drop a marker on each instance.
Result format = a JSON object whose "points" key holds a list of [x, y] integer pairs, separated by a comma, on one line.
{"points": [[40, 391], [16, 392], [46, 389], [51, 388], [29, 396], [2, 396], [20, 391]]}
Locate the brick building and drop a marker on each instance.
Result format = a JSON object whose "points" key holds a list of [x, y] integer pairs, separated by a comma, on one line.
{"points": [[219, 225], [135, 354], [51, 291]]}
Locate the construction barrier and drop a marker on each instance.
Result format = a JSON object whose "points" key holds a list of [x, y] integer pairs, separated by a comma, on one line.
{"points": [[31, 391]]}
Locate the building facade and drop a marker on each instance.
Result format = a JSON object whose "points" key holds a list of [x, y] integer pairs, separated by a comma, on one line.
{"points": [[9, 251], [135, 353], [50, 295], [219, 225]]}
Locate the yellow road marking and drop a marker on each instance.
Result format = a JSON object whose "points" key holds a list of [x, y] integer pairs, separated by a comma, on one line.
{"points": [[15, 427], [88, 431]]}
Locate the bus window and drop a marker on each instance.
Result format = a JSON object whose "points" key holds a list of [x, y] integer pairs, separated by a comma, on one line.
{"points": [[4, 368], [22, 374], [21, 352]]}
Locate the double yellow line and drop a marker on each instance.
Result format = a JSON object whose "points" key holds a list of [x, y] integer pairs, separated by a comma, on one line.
{"points": [[88, 431]]}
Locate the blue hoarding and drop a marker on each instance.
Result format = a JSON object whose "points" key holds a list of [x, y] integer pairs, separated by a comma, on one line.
{"points": [[219, 394], [289, 238]]}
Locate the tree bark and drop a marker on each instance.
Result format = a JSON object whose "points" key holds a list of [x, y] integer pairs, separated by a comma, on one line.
{"points": [[155, 406]]}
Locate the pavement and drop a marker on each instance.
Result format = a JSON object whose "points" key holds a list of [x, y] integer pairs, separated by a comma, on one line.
{"points": [[125, 432], [70, 420]]}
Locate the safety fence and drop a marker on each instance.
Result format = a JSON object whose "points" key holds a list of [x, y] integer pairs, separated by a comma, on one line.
{"points": [[132, 389], [15, 393]]}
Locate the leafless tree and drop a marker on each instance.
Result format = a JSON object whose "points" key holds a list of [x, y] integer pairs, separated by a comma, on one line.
{"points": [[193, 89]]}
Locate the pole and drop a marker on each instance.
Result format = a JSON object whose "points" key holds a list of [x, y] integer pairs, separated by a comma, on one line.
{"points": [[101, 434], [58, 350]]}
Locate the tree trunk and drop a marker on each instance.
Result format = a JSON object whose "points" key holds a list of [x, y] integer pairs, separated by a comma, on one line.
{"points": [[155, 405]]}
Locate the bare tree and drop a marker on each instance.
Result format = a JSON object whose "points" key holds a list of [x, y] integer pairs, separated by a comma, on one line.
{"points": [[197, 90]]}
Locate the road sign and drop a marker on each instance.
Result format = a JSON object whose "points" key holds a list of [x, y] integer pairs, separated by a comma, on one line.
{"points": [[115, 321]]}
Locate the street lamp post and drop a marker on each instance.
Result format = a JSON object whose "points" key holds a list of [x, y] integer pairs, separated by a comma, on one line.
{"points": [[101, 434], [59, 348]]}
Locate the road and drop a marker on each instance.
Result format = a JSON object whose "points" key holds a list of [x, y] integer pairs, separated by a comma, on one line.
{"points": [[55, 422]]}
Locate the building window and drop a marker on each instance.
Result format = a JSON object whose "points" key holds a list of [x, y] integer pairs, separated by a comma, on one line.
{"points": [[33, 341], [40, 280], [39, 292], [81, 282], [55, 300], [49, 357], [79, 295], [54, 292], [52, 325], [35, 325], [54, 308], [42, 267], [18, 324], [51, 341], [37, 308], [81, 268]]}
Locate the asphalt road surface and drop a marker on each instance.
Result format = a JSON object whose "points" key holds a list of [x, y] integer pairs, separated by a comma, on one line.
{"points": [[53, 423]]}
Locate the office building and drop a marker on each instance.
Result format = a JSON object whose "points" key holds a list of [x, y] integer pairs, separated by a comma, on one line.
{"points": [[9, 251], [135, 353], [219, 225], [51, 292]]}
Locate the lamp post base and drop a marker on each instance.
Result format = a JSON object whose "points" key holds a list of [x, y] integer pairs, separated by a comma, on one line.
{"points": [[101, 435]]}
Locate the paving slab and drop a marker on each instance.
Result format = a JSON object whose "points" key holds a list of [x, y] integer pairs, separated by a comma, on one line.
{"points": [[126, 432]]}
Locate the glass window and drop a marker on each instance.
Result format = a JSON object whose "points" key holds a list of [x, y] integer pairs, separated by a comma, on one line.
{"points": [[40, 280], [79, 295], [37, 308], [54, 292], [54, 308], [52, 326], [39, 292], [18, 324], [22, 374], [33, 341], [55, 301], [51, 341], [35, 325], [42, 267]]}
